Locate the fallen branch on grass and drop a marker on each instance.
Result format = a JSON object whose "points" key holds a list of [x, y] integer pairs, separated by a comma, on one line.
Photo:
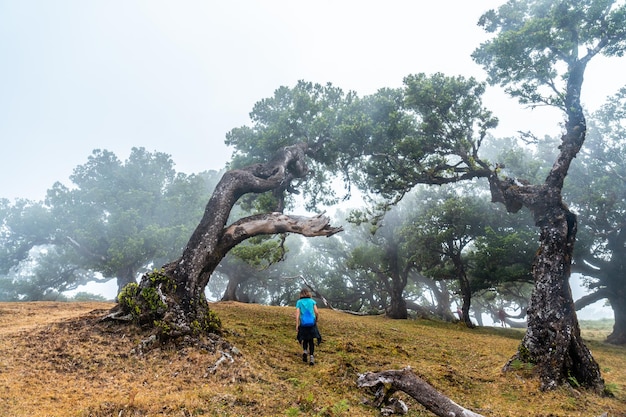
{"points": [[385, 383]]}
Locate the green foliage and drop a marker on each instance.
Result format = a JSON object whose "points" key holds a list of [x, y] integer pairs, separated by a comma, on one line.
{"points": [[207, 322], [260, 251], [429, 132], [308, 113], [503, 254], [525, 355], [127, 298], [385, 143], [538, 41], [116, 219], [440, 228]]}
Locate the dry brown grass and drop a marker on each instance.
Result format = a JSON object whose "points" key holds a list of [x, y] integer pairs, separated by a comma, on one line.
{"points": [[57, 359]]}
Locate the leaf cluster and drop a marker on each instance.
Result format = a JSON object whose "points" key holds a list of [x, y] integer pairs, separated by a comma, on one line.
{"points": [[539, 42]]}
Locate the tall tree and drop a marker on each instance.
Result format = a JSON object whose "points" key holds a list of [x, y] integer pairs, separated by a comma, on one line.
{"points": [[383, 256], [599, 190], [428, 132], [439, 235], [539, 53]]}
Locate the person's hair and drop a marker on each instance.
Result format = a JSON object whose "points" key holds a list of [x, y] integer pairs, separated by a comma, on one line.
{"points": [[305, 293]]}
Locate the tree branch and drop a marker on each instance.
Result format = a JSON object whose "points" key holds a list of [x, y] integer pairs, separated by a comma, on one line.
{"points": [[274, 223], [589, 299], [388, 382]]}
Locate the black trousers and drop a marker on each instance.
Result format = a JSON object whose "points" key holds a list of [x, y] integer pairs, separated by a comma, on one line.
{"points": [[308, 344], [306, 336]]}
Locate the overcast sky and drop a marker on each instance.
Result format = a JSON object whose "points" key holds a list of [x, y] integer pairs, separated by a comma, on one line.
{"points": [[175, 76]]}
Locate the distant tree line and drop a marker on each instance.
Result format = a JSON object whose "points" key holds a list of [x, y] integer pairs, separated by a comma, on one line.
{"points": [[116, 220]]}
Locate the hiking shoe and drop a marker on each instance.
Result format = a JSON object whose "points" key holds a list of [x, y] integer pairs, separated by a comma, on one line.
{"points": [[312, 361], [304, 355]]}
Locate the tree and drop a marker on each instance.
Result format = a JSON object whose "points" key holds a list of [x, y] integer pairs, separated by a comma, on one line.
{"points": [[539, 54], [25, 224], [384, 257], [439, 235], [246, 260], [501, 260], [117, 220], [598, 188], [173, 299]]}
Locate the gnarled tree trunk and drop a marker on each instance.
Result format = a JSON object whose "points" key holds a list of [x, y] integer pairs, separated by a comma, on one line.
{"points": [[552, 342], [173, 299]]}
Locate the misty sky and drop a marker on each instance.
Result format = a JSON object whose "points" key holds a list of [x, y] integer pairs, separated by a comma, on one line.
{"points": [[175, 76]]}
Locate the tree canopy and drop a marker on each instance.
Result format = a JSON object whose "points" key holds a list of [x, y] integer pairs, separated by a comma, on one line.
{"points": [[116, 220]]}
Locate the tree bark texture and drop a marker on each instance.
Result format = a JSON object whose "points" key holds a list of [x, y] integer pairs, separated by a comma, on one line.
{"points": [[174, 298], [552, 342], [385, 383]]}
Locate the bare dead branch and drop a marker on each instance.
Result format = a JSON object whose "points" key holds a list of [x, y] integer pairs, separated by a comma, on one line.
{"points": [[388, 382]]}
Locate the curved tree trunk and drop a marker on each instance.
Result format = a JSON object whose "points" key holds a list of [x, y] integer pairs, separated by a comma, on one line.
{"points": [[399, 280], [552, 342], [441, 294], [173, 300], [237, 274], [616, 286], [611, 286], [589, 299]]}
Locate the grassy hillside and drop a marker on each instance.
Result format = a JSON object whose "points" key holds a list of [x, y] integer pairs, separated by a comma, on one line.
{"points": [[56, 359]]}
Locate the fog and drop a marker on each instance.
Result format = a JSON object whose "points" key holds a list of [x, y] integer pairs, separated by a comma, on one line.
{"points": [[175, 77]]}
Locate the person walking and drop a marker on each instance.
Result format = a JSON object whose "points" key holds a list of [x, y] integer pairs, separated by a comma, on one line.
{"points": [[306, 325]]}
